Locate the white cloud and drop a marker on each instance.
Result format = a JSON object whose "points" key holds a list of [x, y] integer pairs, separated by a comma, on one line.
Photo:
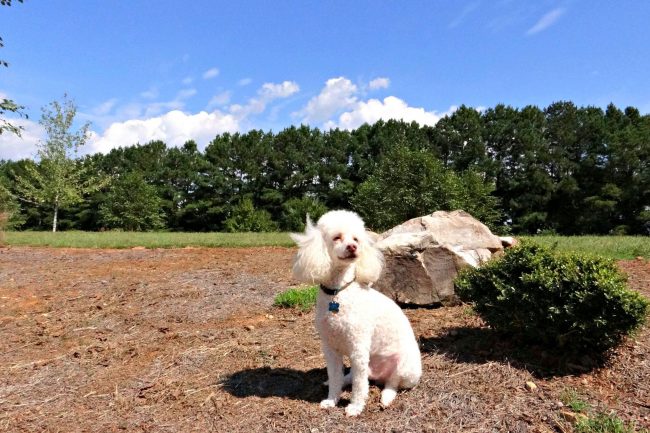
{"points": [[152, 110], [220, 99], [337, 95], [379, 83], [338, 105], [138, 122], [174, 128], [105, 107], [187, 81], [125, 124], [546, 21], [14, 147], [390, 108], [210, 73], [152, 93], [185, 94], [245, 81], [272, 91], [266, 94], [109, 112]]}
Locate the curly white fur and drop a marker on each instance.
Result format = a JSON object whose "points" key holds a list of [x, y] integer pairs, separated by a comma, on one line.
{"points": [[369, 328]]}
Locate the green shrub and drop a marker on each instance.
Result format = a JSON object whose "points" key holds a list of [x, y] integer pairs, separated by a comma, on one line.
{"points": [[295, 210], [244, 217], [555, 300], [411, 183], [301, 298], [132, 204], [10, 215], [4, 217]]}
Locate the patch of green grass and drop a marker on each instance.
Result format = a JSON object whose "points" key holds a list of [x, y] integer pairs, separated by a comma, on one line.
{"points": [[605, 423], [469, 312], [302, 298], [614, 247], [117, 239], [597, 422], [572, 400]]}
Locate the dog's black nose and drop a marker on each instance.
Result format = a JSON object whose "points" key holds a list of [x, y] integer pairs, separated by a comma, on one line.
{"points": [[351, 247]]}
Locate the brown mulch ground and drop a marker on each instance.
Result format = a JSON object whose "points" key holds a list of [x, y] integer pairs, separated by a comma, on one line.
{"points": [[187, 340]]}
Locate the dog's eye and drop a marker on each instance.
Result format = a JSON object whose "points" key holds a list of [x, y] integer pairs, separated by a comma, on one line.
{"points": [[337, 238], [356, 239]]}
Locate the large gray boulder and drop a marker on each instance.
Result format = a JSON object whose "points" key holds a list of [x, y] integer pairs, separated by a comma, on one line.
{"points": [[424, 254]]}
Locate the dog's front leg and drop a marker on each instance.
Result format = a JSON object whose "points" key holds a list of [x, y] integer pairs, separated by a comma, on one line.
{"points": [[334, 376], [359, 361]]}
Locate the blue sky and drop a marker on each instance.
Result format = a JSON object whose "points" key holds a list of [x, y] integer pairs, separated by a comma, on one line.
{"points": [[162, 69]]}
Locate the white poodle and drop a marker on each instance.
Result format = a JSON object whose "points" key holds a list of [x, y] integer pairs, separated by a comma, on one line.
{"points": [[353, 319]]}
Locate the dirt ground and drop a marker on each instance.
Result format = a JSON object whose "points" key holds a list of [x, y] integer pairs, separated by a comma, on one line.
{"points": [[186, 340]]}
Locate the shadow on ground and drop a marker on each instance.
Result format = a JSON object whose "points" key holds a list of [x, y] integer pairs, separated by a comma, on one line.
{"points": [[278, 382], [481, 345]]}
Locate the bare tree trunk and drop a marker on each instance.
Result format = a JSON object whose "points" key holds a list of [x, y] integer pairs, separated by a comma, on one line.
{"points": [[56, 215]]}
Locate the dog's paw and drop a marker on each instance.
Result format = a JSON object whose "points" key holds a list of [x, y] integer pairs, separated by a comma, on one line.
{"points": [[353, 409], [327, 403], [387, 396]]}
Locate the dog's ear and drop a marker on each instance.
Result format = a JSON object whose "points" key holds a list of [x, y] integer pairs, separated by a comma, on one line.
{"points": [[312, 262], [370, 262], [300, 238]]}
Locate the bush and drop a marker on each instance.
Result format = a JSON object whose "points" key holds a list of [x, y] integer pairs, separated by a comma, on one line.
{"points": [[295, 210], [10, 216], [4, 217], [245, 218], [569, 301], [132, 204], [411, 183]]}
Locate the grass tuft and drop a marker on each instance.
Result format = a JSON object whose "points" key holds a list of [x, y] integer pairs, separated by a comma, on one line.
{"points": [[302, 298], [572, 400], [604, 423]]}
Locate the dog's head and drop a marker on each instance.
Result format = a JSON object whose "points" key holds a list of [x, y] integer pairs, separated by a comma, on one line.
{"points": [[338, 239]]}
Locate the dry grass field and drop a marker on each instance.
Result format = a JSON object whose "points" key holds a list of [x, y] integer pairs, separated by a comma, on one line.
{"points": [[183, 340]]}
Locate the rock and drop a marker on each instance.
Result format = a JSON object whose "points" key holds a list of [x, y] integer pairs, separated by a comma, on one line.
{"points": [[249, 327], [453, 228], [372, 235], [572, 417], [423, 256], [508, 241], [530, 386]]}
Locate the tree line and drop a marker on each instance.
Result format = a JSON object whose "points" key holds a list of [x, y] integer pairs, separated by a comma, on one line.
{"points": [[562, 169]]}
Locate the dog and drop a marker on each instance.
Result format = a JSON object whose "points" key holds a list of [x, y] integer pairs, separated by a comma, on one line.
{"points": [[352, 318]]}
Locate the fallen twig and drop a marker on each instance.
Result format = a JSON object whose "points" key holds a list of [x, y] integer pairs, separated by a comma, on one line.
{"points": [[40, 361]]}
